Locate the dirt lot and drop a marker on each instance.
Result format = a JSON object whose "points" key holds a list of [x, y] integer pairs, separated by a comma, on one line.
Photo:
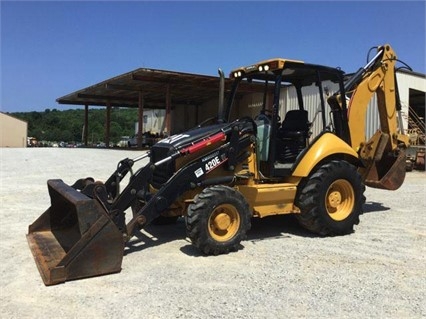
{"points": [[282, 272]]}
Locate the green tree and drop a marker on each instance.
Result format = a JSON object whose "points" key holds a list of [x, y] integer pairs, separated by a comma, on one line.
{"points": [[67, 125]]}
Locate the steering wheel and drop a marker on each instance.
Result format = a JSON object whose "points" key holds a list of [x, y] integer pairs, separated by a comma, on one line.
{"points": [[266, 115], [263, 117]]}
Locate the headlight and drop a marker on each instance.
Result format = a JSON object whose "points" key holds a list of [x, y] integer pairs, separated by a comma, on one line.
{"points": [[237, 74], [262, 68]]}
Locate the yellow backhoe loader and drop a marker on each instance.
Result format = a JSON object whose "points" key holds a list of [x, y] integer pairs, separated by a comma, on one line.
{"points": [[235, 167]]}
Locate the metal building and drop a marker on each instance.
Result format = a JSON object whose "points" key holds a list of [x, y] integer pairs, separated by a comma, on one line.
{"points": [[412, 92], [13, 132], [183, 96]]}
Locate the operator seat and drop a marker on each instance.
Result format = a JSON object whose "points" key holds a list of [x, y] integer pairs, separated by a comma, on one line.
{"points": [[295, 125], [292, 136]]}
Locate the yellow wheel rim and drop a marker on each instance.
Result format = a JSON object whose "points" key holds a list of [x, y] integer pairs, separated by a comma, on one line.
{"points": [[340, 199], [224, 222]]}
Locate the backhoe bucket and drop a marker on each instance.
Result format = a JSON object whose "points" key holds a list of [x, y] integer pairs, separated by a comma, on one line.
{"points": [[74, 238], [387, 173]]}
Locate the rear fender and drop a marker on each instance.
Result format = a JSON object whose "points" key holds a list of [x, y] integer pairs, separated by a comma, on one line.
{"points": [[324, 146]]}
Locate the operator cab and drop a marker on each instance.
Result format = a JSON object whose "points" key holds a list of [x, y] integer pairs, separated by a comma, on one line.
{"points": [[289, 97]]}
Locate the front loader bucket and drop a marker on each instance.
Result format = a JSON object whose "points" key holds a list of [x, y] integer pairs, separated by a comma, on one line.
{"points": [[387, 173], [74, 238]]}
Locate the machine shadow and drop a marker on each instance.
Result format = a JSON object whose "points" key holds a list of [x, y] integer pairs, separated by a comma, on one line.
{"points": [[278, 226], [272, 227], [372, 207], [155, 235]]}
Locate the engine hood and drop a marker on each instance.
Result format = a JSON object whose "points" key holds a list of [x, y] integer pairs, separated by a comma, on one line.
{"points": [[179, 140]]}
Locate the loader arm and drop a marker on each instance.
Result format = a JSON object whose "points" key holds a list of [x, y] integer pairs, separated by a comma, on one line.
{"points": [[189, 177], [192, 175]]}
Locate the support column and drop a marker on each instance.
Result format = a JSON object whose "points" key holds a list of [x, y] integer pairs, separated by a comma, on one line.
{"points": [[107, 125], [197, 115], [140, 119], [168, 111], [86, 125]]}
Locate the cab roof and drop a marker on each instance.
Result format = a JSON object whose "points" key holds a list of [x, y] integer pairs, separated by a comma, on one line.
{"points": [[293, 71]]}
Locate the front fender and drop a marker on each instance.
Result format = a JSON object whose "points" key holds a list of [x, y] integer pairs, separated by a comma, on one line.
{"points": [[324, 146]]}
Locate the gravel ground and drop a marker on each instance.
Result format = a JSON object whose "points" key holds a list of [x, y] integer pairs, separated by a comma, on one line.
{"points": [[282, 272]]}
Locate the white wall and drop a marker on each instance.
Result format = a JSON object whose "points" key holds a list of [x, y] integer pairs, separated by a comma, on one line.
{"points": [[154, 120], [13, 132]]}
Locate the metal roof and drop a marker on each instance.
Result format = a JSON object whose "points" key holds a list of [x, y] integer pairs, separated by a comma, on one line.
{"points": [[123, 90]]}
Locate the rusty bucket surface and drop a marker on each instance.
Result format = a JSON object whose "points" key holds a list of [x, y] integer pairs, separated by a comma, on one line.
{"points": [[74, 238], [387, 173]]}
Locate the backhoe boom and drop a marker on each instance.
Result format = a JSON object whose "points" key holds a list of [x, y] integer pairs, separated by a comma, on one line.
{"points": [[383, 155]]}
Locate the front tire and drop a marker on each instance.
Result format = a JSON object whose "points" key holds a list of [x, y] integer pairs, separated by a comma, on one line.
{"points": [[218, 220], [331, 200]]}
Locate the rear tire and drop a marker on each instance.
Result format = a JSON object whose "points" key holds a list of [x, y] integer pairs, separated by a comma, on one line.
{"points": [[331, 200], [218, 220]]}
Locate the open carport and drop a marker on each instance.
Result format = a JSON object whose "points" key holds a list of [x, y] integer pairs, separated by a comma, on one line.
{"points": [[146, 88]]}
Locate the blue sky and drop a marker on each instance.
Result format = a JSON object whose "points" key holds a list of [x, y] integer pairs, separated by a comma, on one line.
{"points": [[50, 49]]}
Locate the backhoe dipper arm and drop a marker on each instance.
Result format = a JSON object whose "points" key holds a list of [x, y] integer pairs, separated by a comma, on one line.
{"points": [[383, 155]]}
